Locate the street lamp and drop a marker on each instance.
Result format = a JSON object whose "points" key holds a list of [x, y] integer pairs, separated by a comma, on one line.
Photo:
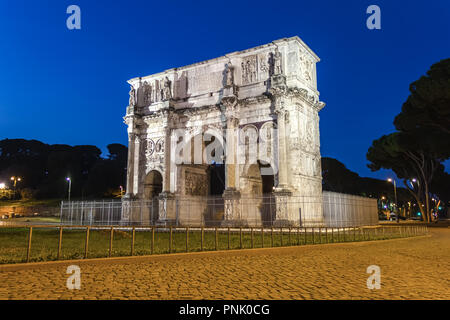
{"points": [[121, 191], [414, 180], [395, 195], [2, 186], [16, 179], [70, 185]]}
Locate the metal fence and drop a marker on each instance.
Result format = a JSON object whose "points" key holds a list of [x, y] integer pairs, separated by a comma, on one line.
{"points": [[156, 240], [342, 210], [331, 210]]}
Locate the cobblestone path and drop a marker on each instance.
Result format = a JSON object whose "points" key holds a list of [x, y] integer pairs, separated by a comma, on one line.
{"points": [[415, 268]]}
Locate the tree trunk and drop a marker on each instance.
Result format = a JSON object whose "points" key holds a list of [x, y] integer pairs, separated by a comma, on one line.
{"points": [[417, 197]]}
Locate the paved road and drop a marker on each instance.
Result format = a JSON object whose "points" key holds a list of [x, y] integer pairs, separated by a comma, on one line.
{"points": [[416, 268]]}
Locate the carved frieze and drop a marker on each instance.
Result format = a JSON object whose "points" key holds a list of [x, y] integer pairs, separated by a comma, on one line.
{"points": [[264, 66], [150, 149], [249, 67], [195, 184], [306, 68], [160, 146]]}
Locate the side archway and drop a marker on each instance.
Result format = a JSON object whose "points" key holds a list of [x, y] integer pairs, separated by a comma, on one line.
{"points": [[153, 184]]}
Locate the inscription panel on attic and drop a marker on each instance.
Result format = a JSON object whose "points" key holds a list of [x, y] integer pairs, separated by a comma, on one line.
{"points": [[270, 86]]}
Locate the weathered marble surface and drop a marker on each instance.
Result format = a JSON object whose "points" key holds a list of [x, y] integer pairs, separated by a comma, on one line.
{"points": [[273, 85]]}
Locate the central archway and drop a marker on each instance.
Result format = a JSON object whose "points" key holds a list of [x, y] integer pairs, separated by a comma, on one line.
{"points": [[201, 177]]}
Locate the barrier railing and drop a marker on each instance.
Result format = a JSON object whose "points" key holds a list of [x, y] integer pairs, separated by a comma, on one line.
{"points": [[84, 242], [331, 210]]}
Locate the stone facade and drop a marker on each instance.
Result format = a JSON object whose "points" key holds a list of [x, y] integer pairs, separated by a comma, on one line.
{"points": [[269, 92]]}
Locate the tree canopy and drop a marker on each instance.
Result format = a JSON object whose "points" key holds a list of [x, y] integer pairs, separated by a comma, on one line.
{"points": [[422, 143], [428, 105], [43, 168]]}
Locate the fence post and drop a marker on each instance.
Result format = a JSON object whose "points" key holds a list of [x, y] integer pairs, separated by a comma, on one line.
{"points": [[60, 242], [251, 235], [304, 235], [313, 236], [240, 237], [61, 213], [326, 234], [298, 235], [153, 240], [320, 235], [271, 237], [332, 234], [201, 239], [262, 237], [216, 240], [289, 236], [170, 239], [111, 237], [187, 239], [86, 244], [30, 235], [228, 238], [281, 234], [132, 241]]}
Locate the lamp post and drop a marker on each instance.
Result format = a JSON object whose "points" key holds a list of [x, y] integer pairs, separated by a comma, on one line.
{"points": [[395, 195], [382, 202], [70, 185], [15, 180]]}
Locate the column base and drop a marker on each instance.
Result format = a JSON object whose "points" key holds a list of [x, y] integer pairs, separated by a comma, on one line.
{"points": [[282, 196], [167, 209], [232, 215]]}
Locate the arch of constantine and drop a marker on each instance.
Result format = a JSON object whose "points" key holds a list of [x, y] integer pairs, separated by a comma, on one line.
{"points": [[232, 140]]}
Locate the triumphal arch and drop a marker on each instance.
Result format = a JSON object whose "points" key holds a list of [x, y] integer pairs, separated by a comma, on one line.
{"points": [[231, 141]]}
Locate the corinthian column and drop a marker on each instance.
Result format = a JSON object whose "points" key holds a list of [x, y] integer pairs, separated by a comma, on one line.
{"points": [[231, 194], [282, 154], [130, 165], [167, 160], [137, 151]]}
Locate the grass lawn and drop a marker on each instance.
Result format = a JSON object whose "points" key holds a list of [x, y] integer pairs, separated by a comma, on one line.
{"points": [[34, 220], [44, 247], [31, 203]]}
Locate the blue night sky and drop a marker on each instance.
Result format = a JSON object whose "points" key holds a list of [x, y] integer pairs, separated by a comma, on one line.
{"points": [[69, 86]]}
